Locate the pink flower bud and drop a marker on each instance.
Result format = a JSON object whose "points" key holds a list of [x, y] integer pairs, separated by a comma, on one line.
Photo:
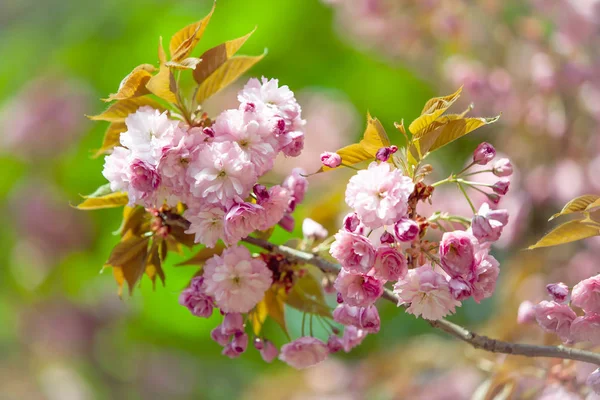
{"points": [[230, 351], [233, 323], [334, 344], [457, 253], [331, 160], [559, 292], [287, 223], [369, 319], [484, 153], [493, 197], [586, 295], [312, 229], [501, 187], [258, 343], [555, 318], [503, 167], [240, 342], [586, 329], [526, 313], [406, 230], [387, 238], [352, 224], [460, 289], [487, 224], [304, 352], [210, 132], [269, 351], [261, 192], [390, 264], [593, 381], [218, 336], [196, 300], [384, 153]]}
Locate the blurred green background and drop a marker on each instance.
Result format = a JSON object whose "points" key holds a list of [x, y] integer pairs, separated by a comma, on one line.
{"points": [[65, 333]]}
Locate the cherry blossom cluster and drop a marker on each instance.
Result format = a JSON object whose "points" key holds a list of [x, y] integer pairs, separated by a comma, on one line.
{"points": [[383, 240]]}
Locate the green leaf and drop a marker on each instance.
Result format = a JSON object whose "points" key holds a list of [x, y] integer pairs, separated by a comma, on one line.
{"points": [[203, 255], [578, 204], [134, 84], [110, 200], [213, 58], [373, 139], [431, 111], [117, 112], [183, 42], [568, 232], [225, 75], [307, 295]]}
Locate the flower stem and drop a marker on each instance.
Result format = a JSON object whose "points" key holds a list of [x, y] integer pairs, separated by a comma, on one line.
{"points": [[462, 189]]}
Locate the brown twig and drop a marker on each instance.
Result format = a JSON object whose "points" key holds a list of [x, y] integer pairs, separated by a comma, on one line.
{"points": [[472, 338]]}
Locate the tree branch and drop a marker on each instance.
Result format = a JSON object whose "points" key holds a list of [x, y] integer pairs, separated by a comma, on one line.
{"points": [[472, 338]]}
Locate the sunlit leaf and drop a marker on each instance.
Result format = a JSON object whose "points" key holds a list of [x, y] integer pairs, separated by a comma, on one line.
{"points": [[163, 84], [154, 265], [213, 58], [258, 316], [433, 109], [135, 221], [594, 205], [134, 84], [183, 42], [578, 204], [110, 200], [180, 236], [128, 260], [307, 295], [111, 137], [203, 255], [188, 63], [568, 232], [117, 112], [373, 139], [225, 75]]}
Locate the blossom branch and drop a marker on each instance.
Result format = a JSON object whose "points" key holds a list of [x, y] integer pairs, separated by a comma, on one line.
{"points": [[472, 338]]}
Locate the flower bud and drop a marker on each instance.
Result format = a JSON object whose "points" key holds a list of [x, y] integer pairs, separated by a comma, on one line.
{"points": [[258, 343], [503, 167], [559, 292], [334, 344], [484, 153], [406, 230], [353, 224], [208, 131], [218, 336], [384, 153], [269, 351], [387, 238], [261, 192], [240, 342], [493, 197], [230, 351], [233, 323], [501, 187], [331, 160], [312, 229], [487, 224]]}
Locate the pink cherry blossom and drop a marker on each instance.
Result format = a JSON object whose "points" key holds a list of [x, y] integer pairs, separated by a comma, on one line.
{"points": [[274, 208], [427, 292], [352, 337], [586, 329], [241, 220], [334, 344], [485, 276], [526, 313], [196, 300], [139, 179], [116, 165], [297, 184], [354, 252], [239, 343], [555, 318], [487, 224], [235, 280], [390, 264], [304, 352], [331, 160], [460, 288], [219, 336], [278, 100], [268, 352], [358, 290], [221, 173], [232, 323], [586, 295], [593, 381], [353, 224], [457, 254], [292, 143], [207, 224], [379, 194], [366, 318], [406, 229], [313, 230]]}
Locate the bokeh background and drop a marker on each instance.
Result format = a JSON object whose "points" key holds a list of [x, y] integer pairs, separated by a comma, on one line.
{"points": [[65, 334]]}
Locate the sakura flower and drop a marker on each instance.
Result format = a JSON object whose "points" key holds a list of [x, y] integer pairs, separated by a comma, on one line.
{"points": [[139, 179], [526, 313], [278, 100], [457, 254], [115, 168], [390, 264], [379, 194], [221, 173], [586, 329], [252, 136], [241, 220], [366, 318], [354, 252], [232, 323], [196, 300], [331, 160], [487, 224], [353, 336], [148, 131], [353, 224], [593, 381], [297, 184], [304, 352], [406, 229], [274, 208], [207, 224], [235, 280], [358, 290], [485, 276], [239, 343], [219, 336], [555, 318], [269, 352], [586, 295], [314, 230], [427, 292], [292, 143], [559, 292], [334, 344]]}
